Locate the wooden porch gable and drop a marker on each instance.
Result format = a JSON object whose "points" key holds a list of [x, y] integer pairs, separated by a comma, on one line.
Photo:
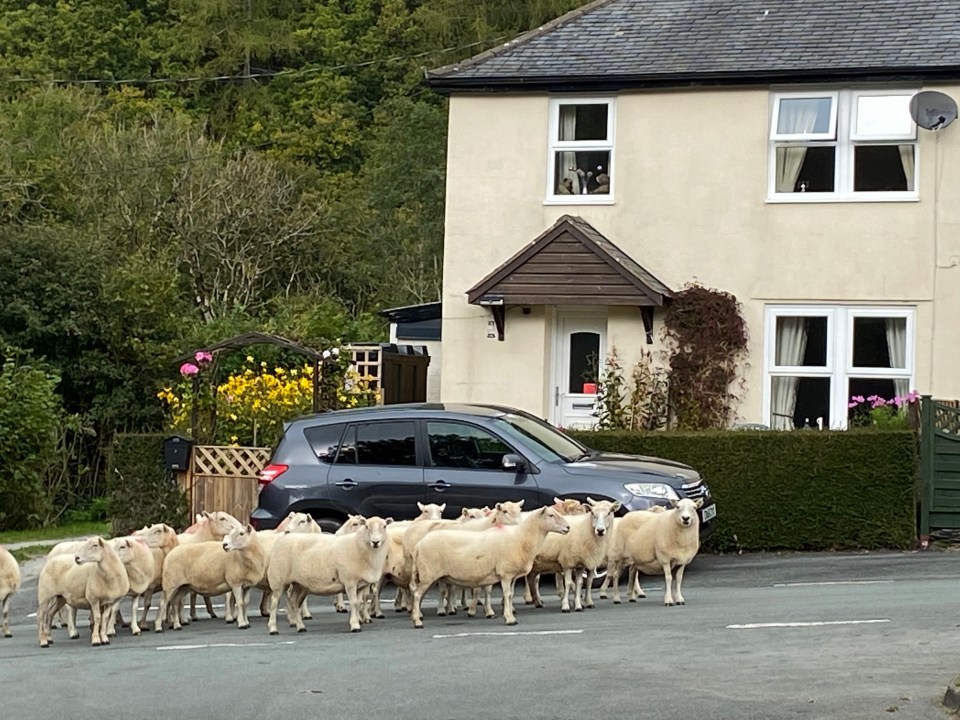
{"points": [[570, 264]]}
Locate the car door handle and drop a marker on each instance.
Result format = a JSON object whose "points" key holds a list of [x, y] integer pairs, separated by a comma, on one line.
{"points": [[346, 484], [439, 485]]}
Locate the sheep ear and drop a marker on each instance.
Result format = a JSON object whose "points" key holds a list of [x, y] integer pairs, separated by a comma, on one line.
{"points": [[699, 503], [520, 504], [388, 520], [420, 505], [591, 501], [443, 507], [674, 503], [204, 514], [557, 501], [100, 542], [499, 506], [616, 505], [250, 528], [464, 512]]}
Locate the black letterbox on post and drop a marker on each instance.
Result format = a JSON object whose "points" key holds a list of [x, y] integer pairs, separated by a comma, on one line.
{"points": [[176, 452]]}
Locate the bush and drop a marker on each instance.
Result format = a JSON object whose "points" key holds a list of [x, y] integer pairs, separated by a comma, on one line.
{"points": [[30, 415], [140, 490], [794, 490]]}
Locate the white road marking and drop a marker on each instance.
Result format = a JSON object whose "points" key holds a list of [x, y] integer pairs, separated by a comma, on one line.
{"points": [[834, 582], [752, 626], [510, 633], [226, 645]]}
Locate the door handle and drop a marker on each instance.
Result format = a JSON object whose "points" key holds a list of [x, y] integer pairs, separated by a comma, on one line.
{"points": [[346, 484], [439, 485]]}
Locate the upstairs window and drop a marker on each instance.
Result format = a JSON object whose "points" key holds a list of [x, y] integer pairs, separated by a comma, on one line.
{"points": [[581, 150], [846, 144]]}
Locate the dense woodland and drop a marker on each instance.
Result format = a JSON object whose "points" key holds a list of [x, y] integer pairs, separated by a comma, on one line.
{"points": [[173, 172]]}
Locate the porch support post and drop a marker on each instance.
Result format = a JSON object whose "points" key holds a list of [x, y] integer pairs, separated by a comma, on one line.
{"points": [[499, 318], [646, 313]]}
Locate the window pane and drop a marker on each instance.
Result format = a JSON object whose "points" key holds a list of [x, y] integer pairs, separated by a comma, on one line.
{"points": [[798, 402], [387, 443], [584, 360], [582, 173], [862, 388], [801, 341], [879, 342], [883, 168], [324, 439], [583, 122], [348, 448], [883, 116], [455, 445], [805, 169], [803, 116]]}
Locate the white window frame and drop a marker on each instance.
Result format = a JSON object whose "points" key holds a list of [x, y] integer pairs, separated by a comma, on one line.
{"points": [[839, 367], [843, 138], [554, 145]]}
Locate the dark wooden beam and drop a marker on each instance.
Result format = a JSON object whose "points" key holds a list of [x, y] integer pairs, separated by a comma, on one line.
{"points": [[499, 318], [646, 313]]}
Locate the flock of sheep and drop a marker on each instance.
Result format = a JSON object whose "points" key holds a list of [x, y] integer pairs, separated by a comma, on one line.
{"points": [[219, 555]]}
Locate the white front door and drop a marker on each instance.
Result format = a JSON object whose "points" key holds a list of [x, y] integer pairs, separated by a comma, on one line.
{"points": [[580, 350]]}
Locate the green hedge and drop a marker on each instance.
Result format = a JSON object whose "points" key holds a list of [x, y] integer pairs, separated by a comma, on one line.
{"points": [[140, 490], [794, 490]]}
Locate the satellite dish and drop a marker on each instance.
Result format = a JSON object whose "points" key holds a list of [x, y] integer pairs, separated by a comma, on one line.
{"points": [[932, 110]]}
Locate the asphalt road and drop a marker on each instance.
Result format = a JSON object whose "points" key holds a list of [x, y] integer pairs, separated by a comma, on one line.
{"points": [[796, 636]]}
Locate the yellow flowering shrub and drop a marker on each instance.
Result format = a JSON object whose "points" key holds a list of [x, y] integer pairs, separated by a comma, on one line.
{"points": [[250, 407]]}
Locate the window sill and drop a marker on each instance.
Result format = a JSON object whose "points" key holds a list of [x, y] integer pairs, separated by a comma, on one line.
{"points": [[580, 200], [820, 198]]}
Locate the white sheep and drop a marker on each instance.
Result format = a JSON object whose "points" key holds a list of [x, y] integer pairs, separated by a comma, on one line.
{"points": [[326, 565], [295, 522], [206, 569], [161, 539], [94, 579], [9, 585], [140, 566], [583, 548], [209, 527], [653, 542], [478, 559]]}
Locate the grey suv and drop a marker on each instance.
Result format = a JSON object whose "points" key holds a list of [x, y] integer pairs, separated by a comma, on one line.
{"points": [[383, 460]]}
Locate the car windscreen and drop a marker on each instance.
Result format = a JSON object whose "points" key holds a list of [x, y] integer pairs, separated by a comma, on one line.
{"points": [[544, 440]]}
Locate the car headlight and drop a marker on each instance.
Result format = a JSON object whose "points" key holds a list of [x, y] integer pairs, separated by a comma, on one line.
{"points": [[657, 490]]}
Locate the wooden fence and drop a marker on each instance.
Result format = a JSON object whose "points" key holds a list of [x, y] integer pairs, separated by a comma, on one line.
{"points": [[223, 478]]}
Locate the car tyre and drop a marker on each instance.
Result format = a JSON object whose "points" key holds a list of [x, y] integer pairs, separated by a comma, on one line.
{"points": [[329, 524]]}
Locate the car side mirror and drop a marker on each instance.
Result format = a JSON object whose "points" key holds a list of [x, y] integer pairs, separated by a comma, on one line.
{"points": [[513, 463]]}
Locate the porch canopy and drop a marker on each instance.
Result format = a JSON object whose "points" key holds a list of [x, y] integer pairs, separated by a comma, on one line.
{"points": [[570, 264]]}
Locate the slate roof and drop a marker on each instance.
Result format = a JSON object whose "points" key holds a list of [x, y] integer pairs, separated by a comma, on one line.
{"points": [[673, 42]]}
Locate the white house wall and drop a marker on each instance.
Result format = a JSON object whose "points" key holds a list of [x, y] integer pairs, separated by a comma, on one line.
{"points": [[689, 203]]}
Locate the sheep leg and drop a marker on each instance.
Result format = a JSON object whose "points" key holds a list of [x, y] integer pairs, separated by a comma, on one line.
{"points": [[557, 579], [444, 590], [506, 587], [147, 599], [45, 613], [577, 588], [338, 604], [305, 610], [613, 572], [418, 588], [352, 598], [209, 606], [678, 596], [567, 587], [111, 619], [632, 583], [604, 585], [238, 597], [363, 597], [295, 597], [400, 600], [97, 635], [70, 612], [6, 617], [591, 574], [229, 609], [640, 592], [463, 598], [134, 609], [489, 612], [668, 581], [275, 596], [533, 581], [264, 603], [376, 609]]}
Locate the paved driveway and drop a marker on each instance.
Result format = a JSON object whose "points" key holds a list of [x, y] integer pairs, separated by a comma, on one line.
{"points": [[794, 636]]}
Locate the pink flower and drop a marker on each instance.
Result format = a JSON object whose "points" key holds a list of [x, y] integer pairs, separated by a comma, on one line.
{"points": [[188, 369], [202, 356], [912, 396]]}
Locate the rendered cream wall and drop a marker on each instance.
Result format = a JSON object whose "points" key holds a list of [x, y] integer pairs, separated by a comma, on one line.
{"points": [[690, 203]]}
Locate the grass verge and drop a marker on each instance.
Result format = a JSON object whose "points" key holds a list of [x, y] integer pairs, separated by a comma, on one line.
{"points": [[80, 529], [30, 552]]}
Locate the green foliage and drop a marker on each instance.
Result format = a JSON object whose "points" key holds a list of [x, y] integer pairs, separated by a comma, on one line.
{"points": [[635, 403], [794, 490], [141, 491], [706, 338], [30, 414]]}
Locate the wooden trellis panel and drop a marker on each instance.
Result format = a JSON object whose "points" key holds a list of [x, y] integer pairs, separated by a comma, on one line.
{"points": [[224, 478], [367, 359]]}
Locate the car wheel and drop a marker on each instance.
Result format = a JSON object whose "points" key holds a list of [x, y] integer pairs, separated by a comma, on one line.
{"points": [[329, 524]]}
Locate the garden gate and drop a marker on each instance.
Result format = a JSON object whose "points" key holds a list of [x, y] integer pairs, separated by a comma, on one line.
{"points": [[939, 465], [223, 478]]}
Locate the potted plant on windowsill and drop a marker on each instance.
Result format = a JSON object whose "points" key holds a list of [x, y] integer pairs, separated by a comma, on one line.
{"points": [[591, 374]]}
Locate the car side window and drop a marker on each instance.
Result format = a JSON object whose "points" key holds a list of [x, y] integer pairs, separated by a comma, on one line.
{"points": [[458, 445], [380, 443], [324, 440]]}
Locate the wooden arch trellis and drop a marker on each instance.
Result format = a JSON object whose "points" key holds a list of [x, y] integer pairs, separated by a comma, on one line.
{"points": [[324, 393]]}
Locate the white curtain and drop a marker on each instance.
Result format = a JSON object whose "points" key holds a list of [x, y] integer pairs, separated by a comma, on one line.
{"points": [[797, 116], [568, 160], [909, 169], [897, 347], [791, 345]]}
